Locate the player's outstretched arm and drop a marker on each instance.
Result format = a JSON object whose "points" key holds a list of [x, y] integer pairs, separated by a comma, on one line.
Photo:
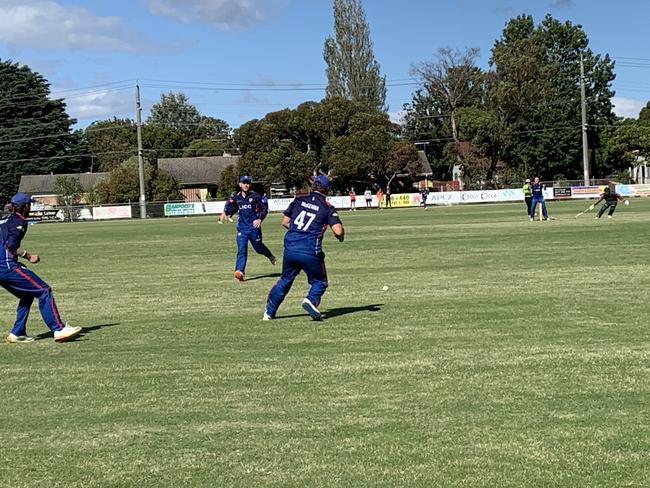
{"points": [[285, 221]]}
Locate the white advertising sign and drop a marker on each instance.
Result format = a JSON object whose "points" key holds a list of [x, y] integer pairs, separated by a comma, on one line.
{"points": [[116, 212]]}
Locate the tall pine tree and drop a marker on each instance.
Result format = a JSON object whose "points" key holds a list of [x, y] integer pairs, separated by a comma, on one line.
{"points": [[35, 131], [352, 71]]}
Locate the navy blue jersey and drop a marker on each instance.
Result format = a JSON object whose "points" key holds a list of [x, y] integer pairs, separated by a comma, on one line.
{"points": [[12, 230], [251, 206], [310, 215], [538, 190]]}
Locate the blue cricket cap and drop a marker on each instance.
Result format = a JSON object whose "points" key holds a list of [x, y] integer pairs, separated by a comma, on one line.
{"points": [[22, 198], [323, 181], [245, 179]]}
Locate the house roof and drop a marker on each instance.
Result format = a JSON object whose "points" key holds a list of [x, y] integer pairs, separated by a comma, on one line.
{"points": [[196, 171], [425, 165], [44, 184]]}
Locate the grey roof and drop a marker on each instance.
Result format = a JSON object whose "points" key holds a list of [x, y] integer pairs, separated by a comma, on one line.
{"points": [[424, 161], [44, 184], [197, 171]]}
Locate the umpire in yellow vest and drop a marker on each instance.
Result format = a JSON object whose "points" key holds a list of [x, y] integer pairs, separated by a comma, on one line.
{"points": [[528, 195]]}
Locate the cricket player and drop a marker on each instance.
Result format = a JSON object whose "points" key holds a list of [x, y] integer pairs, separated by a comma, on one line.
{"points": [[307, 218], [424, 193], [252, 208], [537, 188], [611, 199], [528, 195], [23, 283]]}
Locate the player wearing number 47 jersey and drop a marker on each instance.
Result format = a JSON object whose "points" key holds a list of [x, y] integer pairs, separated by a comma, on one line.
{"points": [[307, 219]]}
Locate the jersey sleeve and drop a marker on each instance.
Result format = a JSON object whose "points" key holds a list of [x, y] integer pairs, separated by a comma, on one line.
{"points": [[289, 211], [333, 216], [231, 206], [15, 234]]}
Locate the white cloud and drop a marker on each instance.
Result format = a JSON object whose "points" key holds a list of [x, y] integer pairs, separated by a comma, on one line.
{"points": [[46, 24], [397, 117], [560, 4], [627, 107], [224, 14], [101, 104]]}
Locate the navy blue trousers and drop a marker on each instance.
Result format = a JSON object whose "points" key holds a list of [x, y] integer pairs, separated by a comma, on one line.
{"points": [[25, 285], [254, 236], [292, 264]]}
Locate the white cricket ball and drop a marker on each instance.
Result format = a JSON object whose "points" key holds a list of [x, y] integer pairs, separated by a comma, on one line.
{"points": [[626, 202], [385, 288]]}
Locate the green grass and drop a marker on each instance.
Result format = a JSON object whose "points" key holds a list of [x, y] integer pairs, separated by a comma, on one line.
{"points": [[505, 353]]}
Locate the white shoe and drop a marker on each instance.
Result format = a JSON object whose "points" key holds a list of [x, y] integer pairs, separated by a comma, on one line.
{"points": [[13, 338], [266, 316], [609, 216], [66, 333], [311, 309]]}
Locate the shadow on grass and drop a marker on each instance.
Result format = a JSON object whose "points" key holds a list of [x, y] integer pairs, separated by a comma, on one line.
{"points": [[84, 331], [337, 312], [270, 275]]}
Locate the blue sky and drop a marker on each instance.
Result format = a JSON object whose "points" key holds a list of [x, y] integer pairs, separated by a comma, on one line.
{"points": [[240, 59]]}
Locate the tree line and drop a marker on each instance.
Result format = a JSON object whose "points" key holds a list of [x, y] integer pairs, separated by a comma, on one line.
{"points": [[519, 117]]}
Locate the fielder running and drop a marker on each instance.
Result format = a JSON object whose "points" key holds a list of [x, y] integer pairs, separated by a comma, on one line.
{"points": [[252, 208], [307, 218], [23, 283]]}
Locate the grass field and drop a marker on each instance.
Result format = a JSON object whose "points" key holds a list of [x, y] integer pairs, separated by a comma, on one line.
{"points": [[505, 353]]}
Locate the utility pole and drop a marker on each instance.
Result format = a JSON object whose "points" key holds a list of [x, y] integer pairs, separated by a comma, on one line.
{"points": [[585, 139], [138, 125]]}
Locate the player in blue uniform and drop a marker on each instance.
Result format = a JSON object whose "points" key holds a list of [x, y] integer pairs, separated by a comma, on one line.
{"points": [[537, 188], [424, 193], [307, 218], [22, 282], [252, 208]]}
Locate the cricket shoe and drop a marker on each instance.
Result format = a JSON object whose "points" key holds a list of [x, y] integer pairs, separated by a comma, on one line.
{"points": [[14, 339], [239, 276], [311, 309], [609, 217], [273, 260], [66, 334], [266, 316]]}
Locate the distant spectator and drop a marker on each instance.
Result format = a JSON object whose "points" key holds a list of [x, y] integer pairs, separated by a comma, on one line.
{"points": [[353, 200], [389, 204], [368, 196]]}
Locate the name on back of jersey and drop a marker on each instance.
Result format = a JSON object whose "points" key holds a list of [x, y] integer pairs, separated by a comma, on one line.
{"points": [[310, 206]]}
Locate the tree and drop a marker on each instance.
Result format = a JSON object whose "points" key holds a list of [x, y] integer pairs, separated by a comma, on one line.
{"points": [[203, 147], [111, 142], [644, 115], [175, 112], [68, 191], [450, 83], [123, 184], [35, 131], [352, 71], [538, 93]]}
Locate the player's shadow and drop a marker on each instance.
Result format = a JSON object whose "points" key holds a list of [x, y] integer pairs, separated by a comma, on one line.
{"points": [[84, 331], [337, 312], [270, 275]]}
